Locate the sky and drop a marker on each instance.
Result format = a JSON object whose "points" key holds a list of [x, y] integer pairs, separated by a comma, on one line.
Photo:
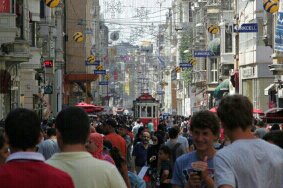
{"points": [[134, 20]]}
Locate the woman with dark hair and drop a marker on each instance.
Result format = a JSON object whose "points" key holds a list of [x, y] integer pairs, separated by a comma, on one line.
{"points": [[152, 153]]}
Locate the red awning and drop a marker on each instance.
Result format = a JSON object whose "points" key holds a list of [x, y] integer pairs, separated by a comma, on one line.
{"points": [[90, 108]]}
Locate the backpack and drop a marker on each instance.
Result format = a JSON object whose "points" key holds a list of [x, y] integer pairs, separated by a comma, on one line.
{"points": [[173, 152]]}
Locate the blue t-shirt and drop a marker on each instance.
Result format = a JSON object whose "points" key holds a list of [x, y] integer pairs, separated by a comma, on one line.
{"points": [[183, 166]]}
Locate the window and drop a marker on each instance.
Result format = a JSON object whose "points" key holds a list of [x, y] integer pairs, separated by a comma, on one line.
{"points": [[33, 34], [228, 40], [42, 9], [213, 70]]}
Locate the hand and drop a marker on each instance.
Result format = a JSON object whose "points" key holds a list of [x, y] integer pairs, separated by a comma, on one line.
{"points": [[152, 158], [194, 180], [201, 166]]}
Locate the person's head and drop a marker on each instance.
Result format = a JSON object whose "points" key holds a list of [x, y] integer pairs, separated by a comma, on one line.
{"points": [[173, 132], [22, 127], [275, 127], [260, 124], [109, 126], [4, 148], [72, 126], [205, 129], [123, 130], [94, 143], [145, 137], [274, 137], [164, 153], [51, 132], [235, 112]]}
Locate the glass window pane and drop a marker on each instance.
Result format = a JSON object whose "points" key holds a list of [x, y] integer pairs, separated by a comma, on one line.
{"points": [[149, 111]]}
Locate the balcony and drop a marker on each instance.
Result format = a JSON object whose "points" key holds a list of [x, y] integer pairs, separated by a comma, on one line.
{"points": [[8, 29]]}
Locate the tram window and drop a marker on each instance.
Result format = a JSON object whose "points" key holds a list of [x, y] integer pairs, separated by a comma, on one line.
{"points": [[143, 112], [138, 111], [149, 111], [154, 112]]}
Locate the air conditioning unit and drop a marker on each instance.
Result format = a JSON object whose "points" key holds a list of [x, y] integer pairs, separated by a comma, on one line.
{"points": [[280, 93]]}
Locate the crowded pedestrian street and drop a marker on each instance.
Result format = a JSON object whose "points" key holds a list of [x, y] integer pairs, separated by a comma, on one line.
{"points": [[141, 94]]}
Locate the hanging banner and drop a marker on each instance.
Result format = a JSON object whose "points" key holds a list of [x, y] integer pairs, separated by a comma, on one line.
{"points": [[279, 29], [5, 6]]}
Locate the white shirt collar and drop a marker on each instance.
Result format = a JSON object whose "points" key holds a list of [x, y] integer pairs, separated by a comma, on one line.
{"points": [[25, 156]]}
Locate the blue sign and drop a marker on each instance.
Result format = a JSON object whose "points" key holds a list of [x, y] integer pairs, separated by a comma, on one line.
{"points": [[99, 71], [95, 63], [185, 65], [202, 53], [279, 33], [103, 83], [160, 92], [247, 28]]}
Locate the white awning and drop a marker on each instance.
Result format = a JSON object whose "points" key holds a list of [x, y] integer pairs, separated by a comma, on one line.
{"points": [[270, 87]]}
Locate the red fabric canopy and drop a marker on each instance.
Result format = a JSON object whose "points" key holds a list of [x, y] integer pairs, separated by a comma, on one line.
{"points": [[255, 110], [90, 108]]}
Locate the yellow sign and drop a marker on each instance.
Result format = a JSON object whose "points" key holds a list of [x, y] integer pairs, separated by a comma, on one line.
{"points": [[99, 67], [107, 76], [178, 69]]}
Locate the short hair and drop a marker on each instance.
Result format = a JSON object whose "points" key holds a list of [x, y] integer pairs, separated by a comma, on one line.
{"points": [[173, 132], [73, 125], [51, 132], [236, 111], [165, 149], [22, 127], [205, 120], [275, 136]]}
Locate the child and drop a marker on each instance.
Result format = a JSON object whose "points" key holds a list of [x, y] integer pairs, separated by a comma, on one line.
{"points": [[165, 167]]}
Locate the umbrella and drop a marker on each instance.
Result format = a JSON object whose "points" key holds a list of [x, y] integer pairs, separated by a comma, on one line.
{"points": [[89, 108], [257, 111], [214, 109], [223, 86]]}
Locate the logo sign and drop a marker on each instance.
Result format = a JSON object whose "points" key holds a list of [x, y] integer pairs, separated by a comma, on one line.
{"points": [[279, 33], [247, 28], [202, 53], [103, 83], [99, 67], [99, 71], [48, 63], [95, 63], [186, 65], [48, 89]]}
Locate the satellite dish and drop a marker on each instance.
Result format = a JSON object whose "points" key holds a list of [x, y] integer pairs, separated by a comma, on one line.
{"points": [[114, 36]]}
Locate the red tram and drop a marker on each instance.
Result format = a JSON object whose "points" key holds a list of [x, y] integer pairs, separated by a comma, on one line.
{"points": [[146, 108]]}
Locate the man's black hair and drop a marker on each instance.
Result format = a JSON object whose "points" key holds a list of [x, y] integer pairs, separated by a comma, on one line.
{"points": [[275, 136], [73, 124], [22, 127], [51, 132], [205, 119], [236, 111], [173, 133]]}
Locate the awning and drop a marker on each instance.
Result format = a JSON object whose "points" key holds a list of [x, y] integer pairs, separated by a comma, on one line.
{"points": [[269, 88], [221, 88]]}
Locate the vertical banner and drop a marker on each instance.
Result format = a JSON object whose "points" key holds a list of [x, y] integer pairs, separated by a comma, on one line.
{"points": [[127, 83], [116, 75], [279, 29], [4, 6]]}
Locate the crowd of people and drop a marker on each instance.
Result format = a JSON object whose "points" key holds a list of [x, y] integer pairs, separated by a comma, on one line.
{"points": [[227, 149]]}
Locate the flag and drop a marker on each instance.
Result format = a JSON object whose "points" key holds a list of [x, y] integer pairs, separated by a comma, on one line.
{"points": [[161, 61]]}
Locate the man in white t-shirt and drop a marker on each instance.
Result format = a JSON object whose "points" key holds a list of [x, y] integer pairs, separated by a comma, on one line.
{"points": [[248, 161]]}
